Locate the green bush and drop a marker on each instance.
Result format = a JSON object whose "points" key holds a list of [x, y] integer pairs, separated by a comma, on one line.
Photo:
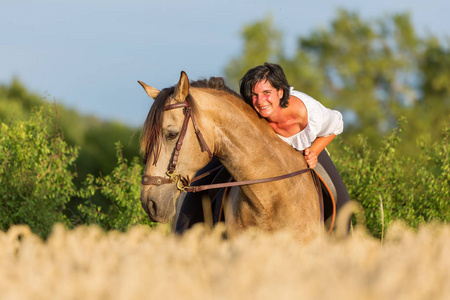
{"points": [[391, 188], [122, 188], [35, 178]]}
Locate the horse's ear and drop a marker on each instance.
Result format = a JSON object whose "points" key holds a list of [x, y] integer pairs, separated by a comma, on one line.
{"points": [[151, 91], [182, 88]]}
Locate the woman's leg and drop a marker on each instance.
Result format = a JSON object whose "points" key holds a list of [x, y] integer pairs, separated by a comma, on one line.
{"points": [[329, 167]]}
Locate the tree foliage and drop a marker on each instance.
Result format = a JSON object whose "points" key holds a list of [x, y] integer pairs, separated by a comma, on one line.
{"points": [[261, 43]]}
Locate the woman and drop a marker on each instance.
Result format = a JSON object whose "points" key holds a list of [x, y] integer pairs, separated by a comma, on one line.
{"points": [[298, 119]]}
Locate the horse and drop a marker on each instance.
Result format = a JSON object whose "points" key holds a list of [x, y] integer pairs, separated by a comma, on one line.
{"points": [[223, 125]]}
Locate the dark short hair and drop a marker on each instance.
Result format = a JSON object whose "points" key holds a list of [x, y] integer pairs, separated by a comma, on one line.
{"points": [[270, 72]]}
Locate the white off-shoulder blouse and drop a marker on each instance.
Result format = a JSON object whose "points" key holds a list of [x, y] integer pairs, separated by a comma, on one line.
{"points": [[322, 121]]}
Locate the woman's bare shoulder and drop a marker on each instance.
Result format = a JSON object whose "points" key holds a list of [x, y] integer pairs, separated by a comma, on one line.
{"points": [[298, 108]]}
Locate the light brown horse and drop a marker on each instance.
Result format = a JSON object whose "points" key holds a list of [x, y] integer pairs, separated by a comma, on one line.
{"points": [[245, 144]]}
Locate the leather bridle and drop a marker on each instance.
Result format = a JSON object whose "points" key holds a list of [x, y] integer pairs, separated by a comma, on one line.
{"points": [[181, 182]]}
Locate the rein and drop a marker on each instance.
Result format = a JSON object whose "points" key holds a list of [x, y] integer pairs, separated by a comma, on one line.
{"points": [[183, 183], [200, 188]]}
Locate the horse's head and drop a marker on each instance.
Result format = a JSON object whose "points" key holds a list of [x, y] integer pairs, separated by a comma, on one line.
{"points": [[172, 150]]}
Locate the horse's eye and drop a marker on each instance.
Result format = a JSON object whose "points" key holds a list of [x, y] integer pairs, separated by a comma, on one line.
{"points": [[172, 135]]}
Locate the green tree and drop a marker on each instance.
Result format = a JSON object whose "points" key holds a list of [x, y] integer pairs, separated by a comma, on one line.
{"points": [[432, 111], [262, 42], [16, 102]]}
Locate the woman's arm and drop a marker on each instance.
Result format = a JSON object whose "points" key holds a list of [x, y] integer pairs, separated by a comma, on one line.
{"points": [[312, 153]]}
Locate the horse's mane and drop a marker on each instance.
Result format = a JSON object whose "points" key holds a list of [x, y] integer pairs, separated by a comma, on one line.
{"points": [[150, 139], [215, 83]]}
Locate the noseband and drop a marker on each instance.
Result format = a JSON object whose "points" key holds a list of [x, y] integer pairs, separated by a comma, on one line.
{"points": [[181, 182]]}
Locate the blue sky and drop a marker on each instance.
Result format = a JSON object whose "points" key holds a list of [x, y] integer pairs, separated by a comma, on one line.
{"points": [[89, 55]]}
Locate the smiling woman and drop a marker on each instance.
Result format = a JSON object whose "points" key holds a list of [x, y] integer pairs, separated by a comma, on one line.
{"points": [[266, 99], [297, 119]]}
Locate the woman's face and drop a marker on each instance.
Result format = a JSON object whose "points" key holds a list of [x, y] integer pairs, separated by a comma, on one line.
{"points": [[266, 99]]}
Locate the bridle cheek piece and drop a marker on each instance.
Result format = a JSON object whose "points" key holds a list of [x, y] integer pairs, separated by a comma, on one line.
{"points": [[181, 182]]}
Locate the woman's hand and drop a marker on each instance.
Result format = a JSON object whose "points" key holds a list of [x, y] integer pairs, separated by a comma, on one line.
{"points": [[310, 157], [311, 154]]}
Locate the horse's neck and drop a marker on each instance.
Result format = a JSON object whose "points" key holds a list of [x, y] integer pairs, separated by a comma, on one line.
{"points": [[247, 145]]}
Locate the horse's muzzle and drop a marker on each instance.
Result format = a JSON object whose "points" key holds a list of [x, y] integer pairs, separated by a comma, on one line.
{"points": [[158, 206]]}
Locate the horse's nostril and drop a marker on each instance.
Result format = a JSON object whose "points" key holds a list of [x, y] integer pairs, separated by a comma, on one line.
{"points": [[152, 207]]}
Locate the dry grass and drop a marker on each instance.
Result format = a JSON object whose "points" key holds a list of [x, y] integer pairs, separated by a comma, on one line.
{"points": [[87, 263]]}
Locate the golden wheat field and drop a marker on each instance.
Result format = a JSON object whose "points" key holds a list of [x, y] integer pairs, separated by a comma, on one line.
{"points": [[88, 263]]}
